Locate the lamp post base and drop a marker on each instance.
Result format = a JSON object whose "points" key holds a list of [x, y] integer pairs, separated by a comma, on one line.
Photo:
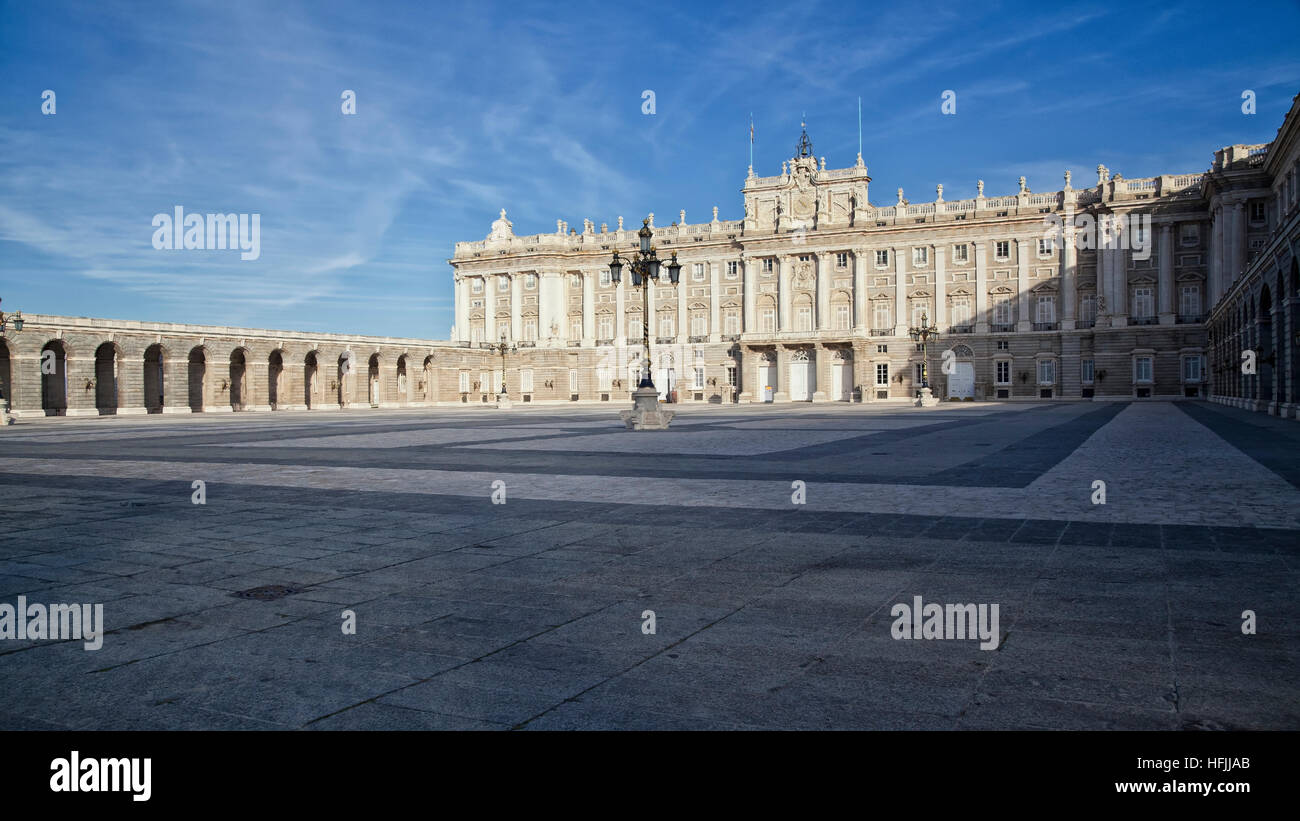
{"points": [[646, 414], [925, 399], [503, 401]]}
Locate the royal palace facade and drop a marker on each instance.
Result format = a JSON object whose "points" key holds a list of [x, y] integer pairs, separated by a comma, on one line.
{"points": [[1158, 287]]}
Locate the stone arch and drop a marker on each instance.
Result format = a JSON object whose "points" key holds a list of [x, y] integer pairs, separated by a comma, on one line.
{"points": [[347, 371], [54, 379], [197, 377], [6, 380], [108, 360], [237, 384], [403, 380], [962, 351], [427, 379], [275, 379], [155, 359], [310, 379], [374, 380]]}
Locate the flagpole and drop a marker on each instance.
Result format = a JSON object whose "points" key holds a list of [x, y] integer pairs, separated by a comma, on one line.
{"points": [[751, 141], [859, 126]]}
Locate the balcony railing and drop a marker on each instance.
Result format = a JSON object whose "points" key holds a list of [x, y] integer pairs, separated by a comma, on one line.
{"points": [[604, 342], [1142, 320], [962, 329], [575, 343], [665, 340], [1085, 323], [1190, 319], [695, 339], [731, 337], [882, 331], [1046, 326], [1002, 327], [528, 343]]}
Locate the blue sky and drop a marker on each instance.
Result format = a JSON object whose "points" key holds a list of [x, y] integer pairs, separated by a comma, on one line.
{"points": [[463, 109]]}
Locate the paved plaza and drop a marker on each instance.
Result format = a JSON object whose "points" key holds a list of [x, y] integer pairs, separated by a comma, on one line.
{"points": [[502, 568]]}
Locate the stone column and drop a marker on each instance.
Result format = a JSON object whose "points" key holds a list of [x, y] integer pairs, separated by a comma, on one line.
{"points": [[901, 320], [981, 288], [1024, 319], [1216, 258], [1165, 282], [489, 309], [620, 314], [751, 265], [1238, 239], [1119, 279], [81, 400], [462, 310], [824, 273], [130, 383], [1069, 274], [176, 381], [784, 322], [941, 315], [589, 310], [782, 392], [715, 302], [860, 318], [24, 394], [550, 303], [516, 306], [683, 321]]}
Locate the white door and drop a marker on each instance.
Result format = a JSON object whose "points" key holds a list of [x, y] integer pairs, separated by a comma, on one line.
{"points": [[766, 386], [961, 382], [799, 381], [842, 382]]}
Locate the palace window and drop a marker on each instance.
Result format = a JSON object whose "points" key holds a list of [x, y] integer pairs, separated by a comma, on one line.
{"points": [[575, 281], [769, 265], [1141, 369], [605, 324], [604, 277], [697, 273], [464, 381], [841, 260], [1192, 368], [919, 309], [530, 329], [1143, 303], [699, 378], [503, 284], [767, 320], [1088, 309], [526, 380], [1047, 371], [1087, 371], [604, 379], [1004, 345], [573, 380], [882, 374], [667, 325], [961, 253], [842, 317], [1046, 308], [575, 327], [530, 281], [1002, 249], [882, 349], [803, 318], [961, 311], [699, 324], [634, 329], [732, 376], [1189, 300], [882, 259], [880, 315], [476, 285], [1189, 234], [1002, 310], [920, 256], [1044, 246], [485, 382], [1002, 370], [1257, 211], [733, 269], [731, 322]]}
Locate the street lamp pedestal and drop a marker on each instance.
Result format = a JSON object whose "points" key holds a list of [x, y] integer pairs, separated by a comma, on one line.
{"points": [[646, 413], [503, 401], [925, 399]]}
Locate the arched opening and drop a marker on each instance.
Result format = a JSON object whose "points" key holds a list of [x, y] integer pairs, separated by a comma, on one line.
{"points": [[6, 391], [1266, 356], [274, 377], [237, 383], [153, 378], [426, 384], [346, 373], [372, 381], [959, 371], [311, 372], [54, 378], [106, 362], [803, 380], [198, 372], [403, 388]]}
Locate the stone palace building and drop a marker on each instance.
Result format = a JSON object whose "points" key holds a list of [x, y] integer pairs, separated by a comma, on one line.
{"points": [[1124, 289]]}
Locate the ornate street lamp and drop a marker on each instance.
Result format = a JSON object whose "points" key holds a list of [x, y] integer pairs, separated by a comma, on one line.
{"points": [[922, 335], [16, 319], [644, 267], [503, 347]]}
